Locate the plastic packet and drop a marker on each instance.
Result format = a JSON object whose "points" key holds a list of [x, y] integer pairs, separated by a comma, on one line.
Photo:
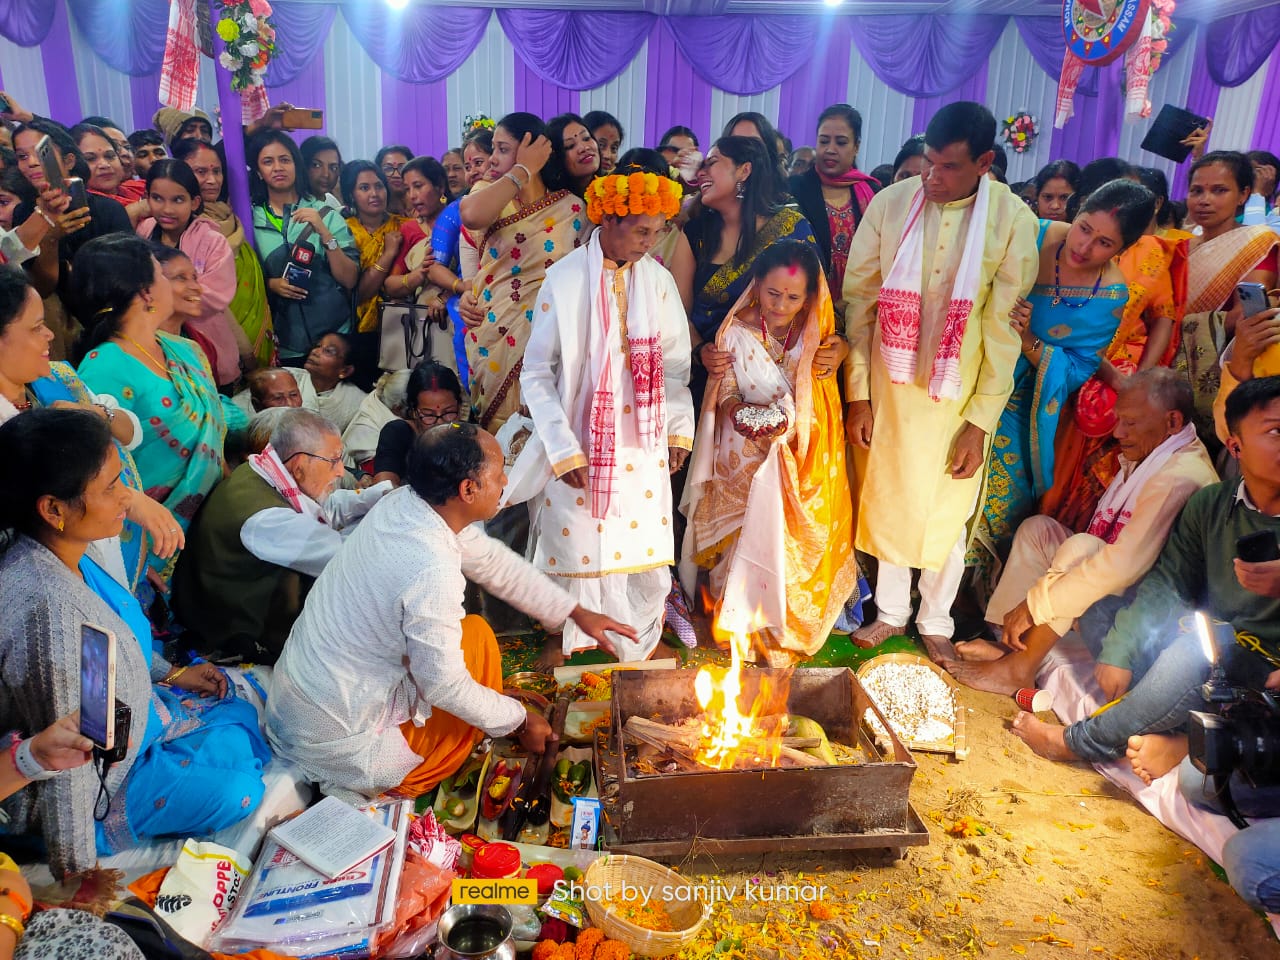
{"points": [[200, 890], [291, 909], [563, 906]]}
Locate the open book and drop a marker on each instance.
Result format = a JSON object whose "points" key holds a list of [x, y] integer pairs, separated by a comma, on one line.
{"points": [[332, 837]]}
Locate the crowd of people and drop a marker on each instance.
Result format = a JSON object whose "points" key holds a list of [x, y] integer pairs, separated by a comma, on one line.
{"points": [[755, 386]]}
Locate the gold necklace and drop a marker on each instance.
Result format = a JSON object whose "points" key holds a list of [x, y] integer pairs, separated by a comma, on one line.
{"points": [[769, 338], [163, 368]]}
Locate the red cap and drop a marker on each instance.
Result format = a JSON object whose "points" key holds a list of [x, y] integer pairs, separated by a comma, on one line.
{"points": [[495, 861], [547, 875]]}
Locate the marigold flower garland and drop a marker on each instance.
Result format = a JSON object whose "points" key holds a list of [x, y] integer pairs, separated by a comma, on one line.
{"points": [[1020, 131], [621, 195], [250, 37]]}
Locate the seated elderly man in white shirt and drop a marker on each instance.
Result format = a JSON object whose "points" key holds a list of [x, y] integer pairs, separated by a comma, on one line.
{"points": [[1052, 578], [262, 537], [383, 683], [276, 387]]}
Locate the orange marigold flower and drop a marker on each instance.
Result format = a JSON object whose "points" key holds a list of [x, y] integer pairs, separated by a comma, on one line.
{"points": [[635, 183], [652, 204], [545, 950], [818, 909], [613, 950], [587, 942], [565, 952]]}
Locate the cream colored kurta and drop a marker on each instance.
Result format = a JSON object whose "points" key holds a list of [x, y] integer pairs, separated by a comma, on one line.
{"points": [[557, 385], [1069, 589], [912, 512]]}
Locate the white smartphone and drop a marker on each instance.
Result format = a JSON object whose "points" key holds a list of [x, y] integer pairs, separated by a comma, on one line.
{"points": [[98, 685]]}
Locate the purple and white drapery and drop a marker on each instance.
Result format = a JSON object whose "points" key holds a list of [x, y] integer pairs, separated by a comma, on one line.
{"points": [[387, 75]]}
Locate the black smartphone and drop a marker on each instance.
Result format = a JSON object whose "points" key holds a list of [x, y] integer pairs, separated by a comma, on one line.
{"points": [[1260, 547], [76, 191], [1252, 297]]}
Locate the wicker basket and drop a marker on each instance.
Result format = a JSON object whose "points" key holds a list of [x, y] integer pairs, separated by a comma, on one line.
{"points": [[687, 915]]}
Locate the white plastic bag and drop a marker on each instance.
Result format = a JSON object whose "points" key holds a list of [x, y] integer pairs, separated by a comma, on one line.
{"points": [[201, 888]]}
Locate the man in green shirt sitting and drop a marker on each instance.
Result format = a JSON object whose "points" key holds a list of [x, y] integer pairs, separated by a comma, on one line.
{"points": [[1154, 638]]}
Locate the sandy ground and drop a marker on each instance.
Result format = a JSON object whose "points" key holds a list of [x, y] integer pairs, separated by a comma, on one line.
{"points": [[1066, 865]]}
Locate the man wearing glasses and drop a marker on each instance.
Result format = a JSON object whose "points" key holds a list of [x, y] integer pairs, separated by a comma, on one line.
{"points": [[263, 536]]}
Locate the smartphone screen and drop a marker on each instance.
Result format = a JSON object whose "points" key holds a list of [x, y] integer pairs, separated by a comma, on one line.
{"points": [[97, 685]]}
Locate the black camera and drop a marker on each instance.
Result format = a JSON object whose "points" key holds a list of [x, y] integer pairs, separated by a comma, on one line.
{"points": [[1243, 736]]}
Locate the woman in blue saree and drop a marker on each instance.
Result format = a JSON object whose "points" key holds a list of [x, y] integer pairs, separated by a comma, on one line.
{"points": [[164, 379], [1067, 320], [195, 753]]}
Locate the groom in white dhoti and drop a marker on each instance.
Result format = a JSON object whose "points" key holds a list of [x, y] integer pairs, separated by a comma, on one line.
{"points": [[605, 379]]}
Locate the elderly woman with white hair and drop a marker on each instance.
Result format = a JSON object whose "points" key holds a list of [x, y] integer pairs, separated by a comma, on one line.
{"points": [[385, 403], [265, 534]]}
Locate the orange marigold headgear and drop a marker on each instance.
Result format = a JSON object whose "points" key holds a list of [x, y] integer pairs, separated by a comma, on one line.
{"points": [[622, 195]]}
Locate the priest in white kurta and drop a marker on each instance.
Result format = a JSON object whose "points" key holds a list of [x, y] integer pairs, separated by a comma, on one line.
{"points": [[605, 379], [383, 683], [934, 270]]}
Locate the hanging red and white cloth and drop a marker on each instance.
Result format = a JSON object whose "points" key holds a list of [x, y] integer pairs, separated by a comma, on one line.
{"points": [[1097, 32], [180, 70]]}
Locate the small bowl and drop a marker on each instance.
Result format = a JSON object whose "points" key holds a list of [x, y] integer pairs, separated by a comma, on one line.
{"points": [[541, 683]]}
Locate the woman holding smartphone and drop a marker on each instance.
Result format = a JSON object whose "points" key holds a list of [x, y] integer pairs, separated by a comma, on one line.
{"points": [[308, 299], [194, 756], [71, 230]]}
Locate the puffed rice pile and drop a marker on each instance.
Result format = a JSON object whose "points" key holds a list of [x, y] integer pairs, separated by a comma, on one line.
{"points": [[916, 701], [759, 418]]}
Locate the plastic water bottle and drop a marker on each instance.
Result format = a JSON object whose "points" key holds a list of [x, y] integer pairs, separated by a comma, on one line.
{"points": [[1255, 210]]}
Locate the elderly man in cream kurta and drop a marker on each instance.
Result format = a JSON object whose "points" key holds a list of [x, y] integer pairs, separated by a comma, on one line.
{"points": [[934, 270], [1053, 577], [605, 379]]}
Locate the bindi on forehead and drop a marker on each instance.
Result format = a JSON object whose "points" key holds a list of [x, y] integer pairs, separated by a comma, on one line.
{"points": [[793, 269]]}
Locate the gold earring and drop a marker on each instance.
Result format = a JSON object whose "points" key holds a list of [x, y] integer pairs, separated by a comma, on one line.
{"points": [[151, 308], [61, 524]]}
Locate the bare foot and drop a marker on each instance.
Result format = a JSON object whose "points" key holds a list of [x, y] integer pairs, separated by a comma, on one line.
{"points": [[940, 649], [875, 633], [980, 650], [1155, 754], [1048, 740], [552, 655], [1006, 675]]}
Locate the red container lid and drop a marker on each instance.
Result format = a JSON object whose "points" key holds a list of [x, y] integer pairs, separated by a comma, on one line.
{"points": [[547, 875], [496, 861], [471, 842]]}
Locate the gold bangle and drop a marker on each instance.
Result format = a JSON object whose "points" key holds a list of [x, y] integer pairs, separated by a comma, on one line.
{"points": [[380, 268], [14, 924], [175, 675]]}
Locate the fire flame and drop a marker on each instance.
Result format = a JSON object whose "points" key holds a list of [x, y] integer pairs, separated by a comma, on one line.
{"points": [[730, 736]]}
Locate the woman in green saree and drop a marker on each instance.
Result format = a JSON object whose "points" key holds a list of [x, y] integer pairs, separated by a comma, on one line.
{"points": [[164, 379]]}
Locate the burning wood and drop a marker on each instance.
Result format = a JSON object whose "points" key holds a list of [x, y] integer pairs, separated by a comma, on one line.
{"points": [[752, 751]]}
